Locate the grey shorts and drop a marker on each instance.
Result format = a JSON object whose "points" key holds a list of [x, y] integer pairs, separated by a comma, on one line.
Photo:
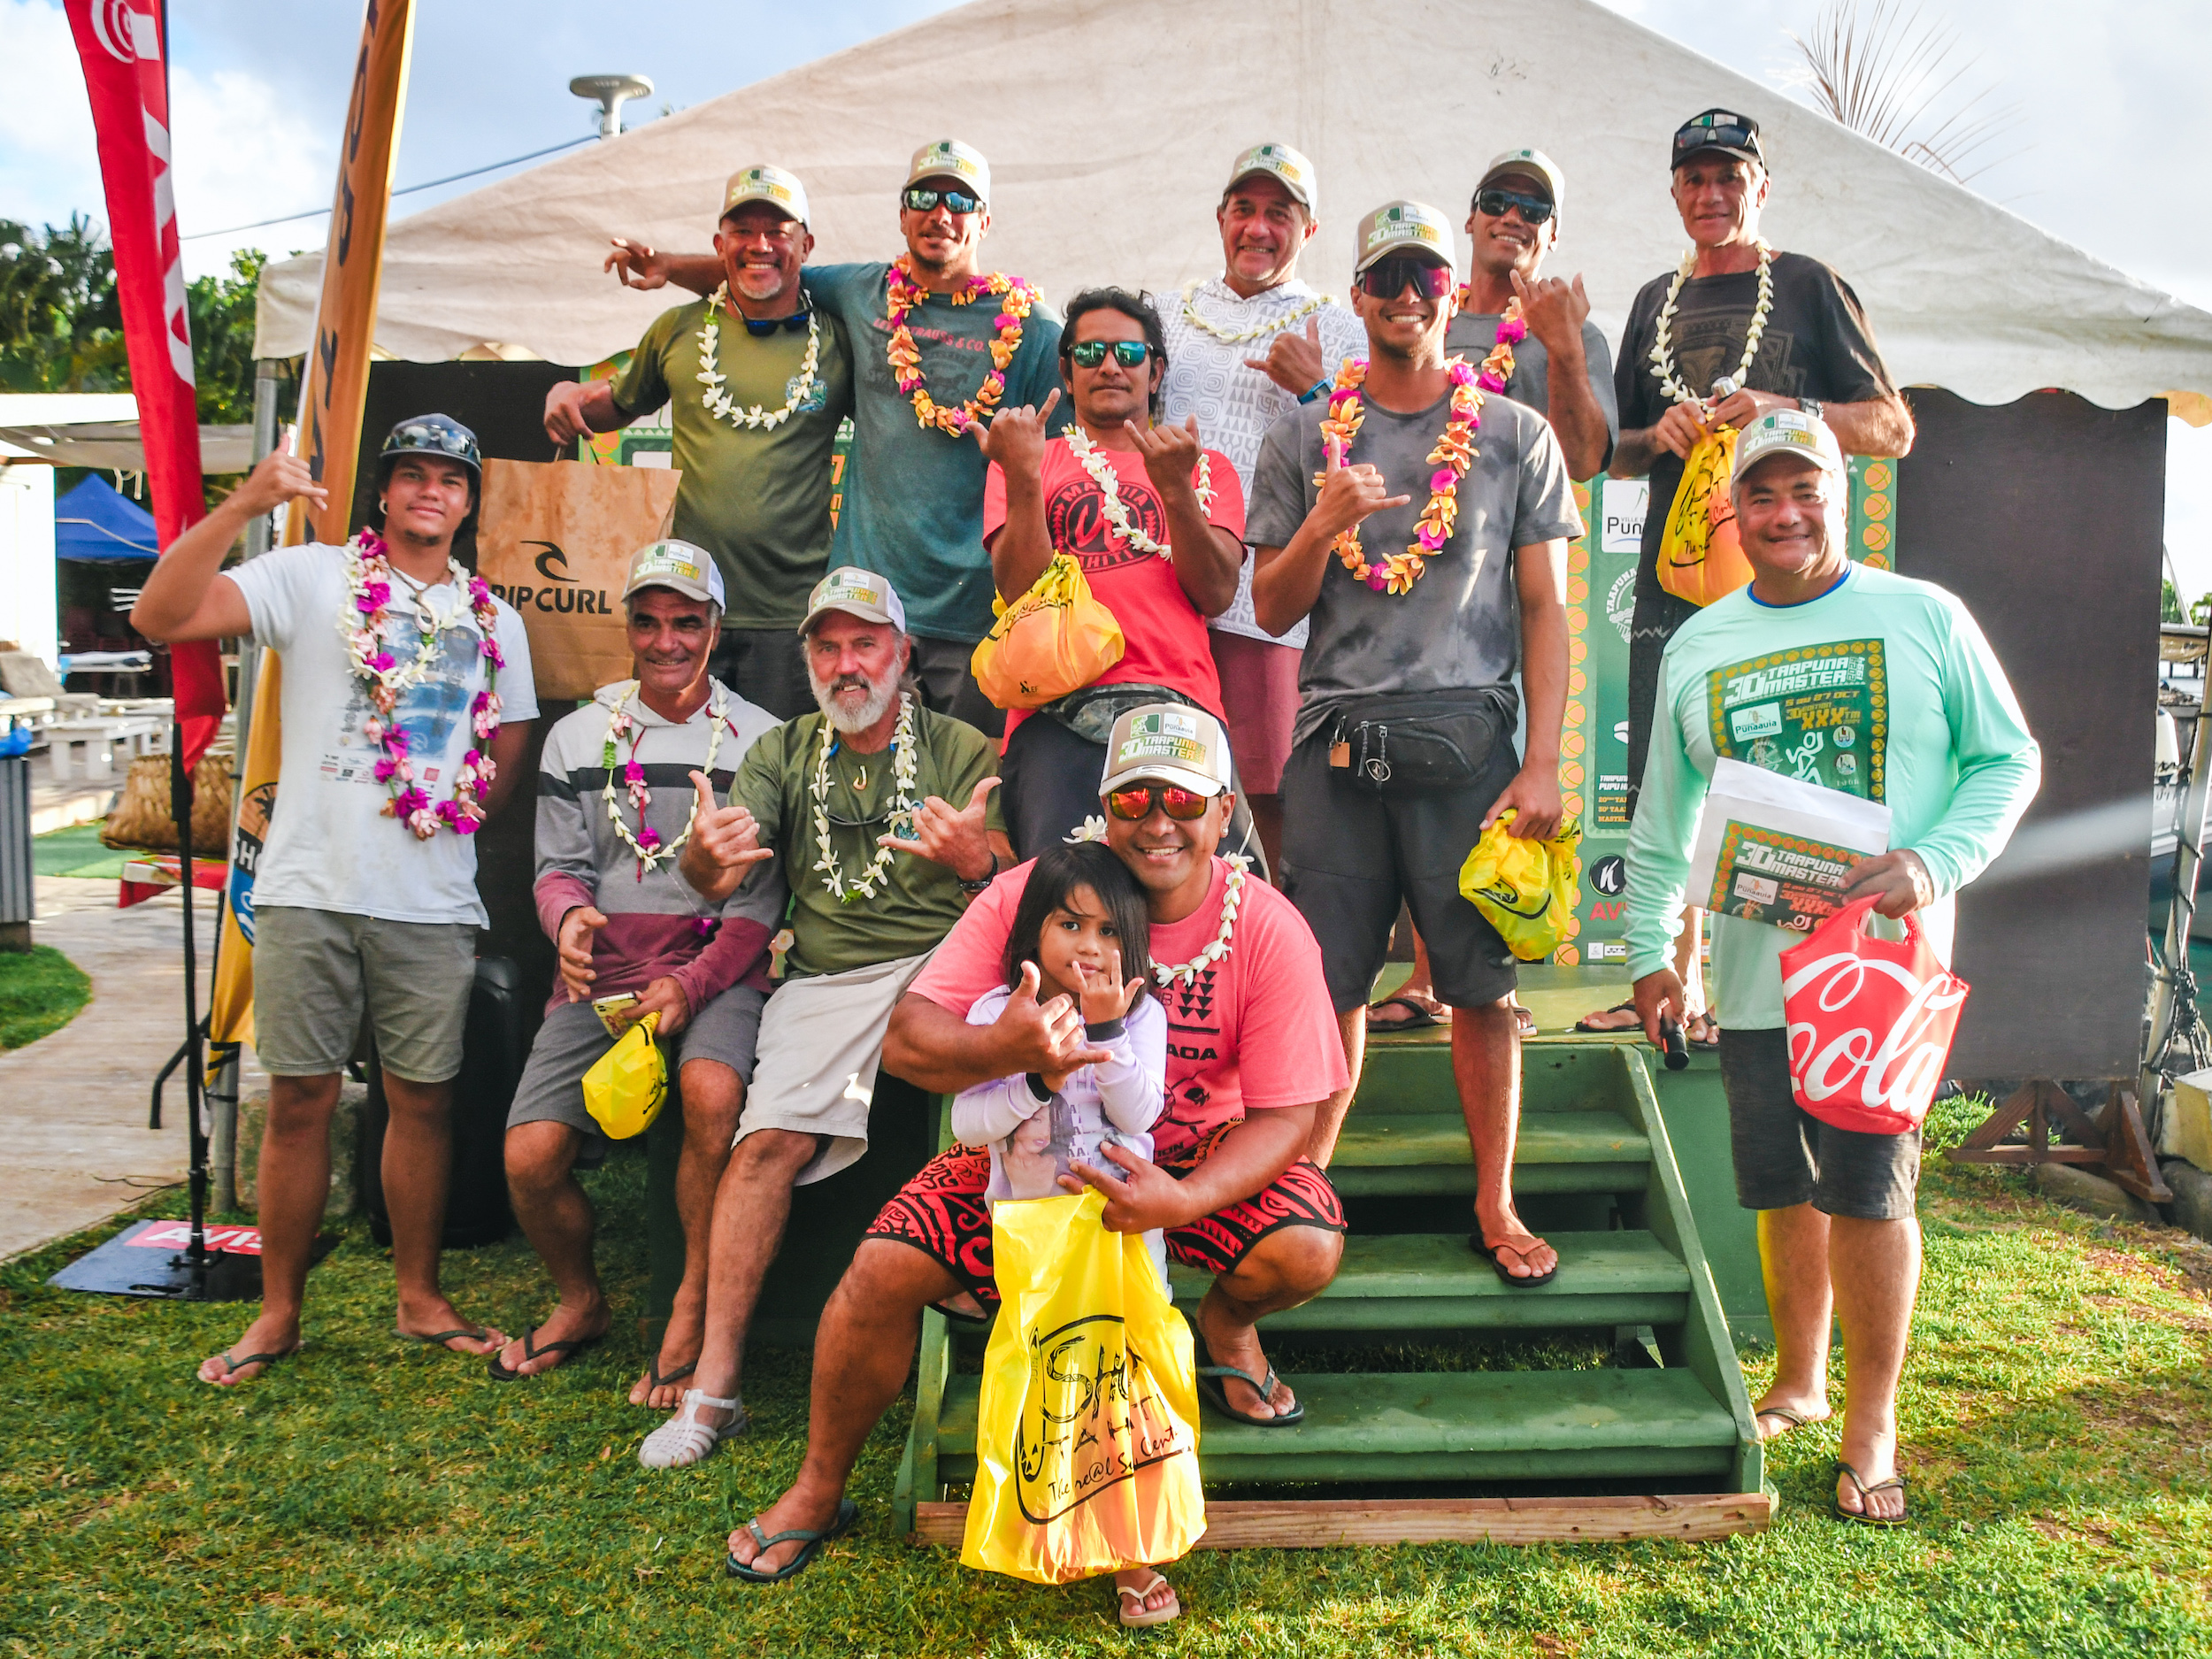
{"points": [[316, 972], [571, 1039], [1785, 1155], [1350, 856]]}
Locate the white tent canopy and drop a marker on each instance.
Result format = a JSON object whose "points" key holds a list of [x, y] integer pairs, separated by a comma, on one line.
{"points": [[1109, 129]]}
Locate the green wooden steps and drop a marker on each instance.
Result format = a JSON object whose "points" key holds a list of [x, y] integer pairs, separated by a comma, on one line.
{"points": [[1459, 1425], [1595, 1173], [1418, 1281]]}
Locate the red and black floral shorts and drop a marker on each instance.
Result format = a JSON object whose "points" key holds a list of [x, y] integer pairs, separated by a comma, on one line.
{"points": [[942, 1213]]}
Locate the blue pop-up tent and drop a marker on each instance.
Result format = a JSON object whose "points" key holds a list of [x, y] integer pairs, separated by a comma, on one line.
{"points": [[93, 522]]}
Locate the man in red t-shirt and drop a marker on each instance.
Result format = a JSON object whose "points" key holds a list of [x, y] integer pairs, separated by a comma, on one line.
{"points": [[1252, 1051], [1155, 519]]}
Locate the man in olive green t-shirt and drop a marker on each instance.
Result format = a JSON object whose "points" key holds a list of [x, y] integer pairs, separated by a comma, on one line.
{"points": [[758, 378], [884, 816]]}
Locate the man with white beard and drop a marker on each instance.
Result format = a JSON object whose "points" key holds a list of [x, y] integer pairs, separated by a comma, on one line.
{"points": [[883, 815]]}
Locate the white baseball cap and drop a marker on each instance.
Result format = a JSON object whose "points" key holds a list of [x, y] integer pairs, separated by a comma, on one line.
{"points": [[678, 566], [1790, 430], [858, 593], [1287, 167], [1407, 228], [949, 158], [779, 190], [1171, 742]]}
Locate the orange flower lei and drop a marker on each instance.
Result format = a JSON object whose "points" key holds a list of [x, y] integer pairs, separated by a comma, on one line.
{"points": [[1454, 454], [903, 293]]}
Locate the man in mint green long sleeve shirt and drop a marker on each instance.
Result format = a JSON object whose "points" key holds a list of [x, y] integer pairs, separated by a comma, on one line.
{"points": [[1884, 687]]}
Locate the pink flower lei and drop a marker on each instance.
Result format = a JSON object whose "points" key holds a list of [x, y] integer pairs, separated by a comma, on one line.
{"points": [[384, 679]]}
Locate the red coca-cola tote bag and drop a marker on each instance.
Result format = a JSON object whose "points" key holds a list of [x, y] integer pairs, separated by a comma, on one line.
{"points": [[1870, 1022]]}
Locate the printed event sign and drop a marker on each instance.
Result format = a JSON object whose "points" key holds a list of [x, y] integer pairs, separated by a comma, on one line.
{"points": [[177, 1235], [1819, 713], [1774, 849]]}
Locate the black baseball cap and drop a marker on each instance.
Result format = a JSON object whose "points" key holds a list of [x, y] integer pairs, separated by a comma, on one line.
{"points": [[1722, 130]]}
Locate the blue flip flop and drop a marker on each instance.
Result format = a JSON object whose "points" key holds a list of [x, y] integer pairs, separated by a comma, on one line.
{"points": [[848, 1517]]}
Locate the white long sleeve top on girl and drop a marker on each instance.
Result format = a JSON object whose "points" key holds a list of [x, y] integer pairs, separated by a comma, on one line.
{"points": [[1033, 1138]]}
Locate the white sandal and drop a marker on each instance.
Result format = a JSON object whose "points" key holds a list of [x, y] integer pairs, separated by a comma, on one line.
{"points": [[1135, 1614], [683, 1439]]}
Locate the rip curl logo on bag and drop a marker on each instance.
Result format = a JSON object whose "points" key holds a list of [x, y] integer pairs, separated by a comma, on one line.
{"points": [[1092, 1415]]}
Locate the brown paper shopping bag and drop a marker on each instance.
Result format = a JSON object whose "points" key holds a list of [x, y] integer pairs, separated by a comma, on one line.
{"points": [[555, 543]]}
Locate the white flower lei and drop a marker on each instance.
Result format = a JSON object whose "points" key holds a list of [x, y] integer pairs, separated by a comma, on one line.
{"points": [[1230, 899], [903, 771], [1296, 315], [1663, 348], [720, 402], [1102, 471], [647, 844]]}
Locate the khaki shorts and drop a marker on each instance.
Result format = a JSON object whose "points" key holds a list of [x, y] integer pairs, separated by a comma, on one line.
{"points": [[821, 1039], [317, 973]]}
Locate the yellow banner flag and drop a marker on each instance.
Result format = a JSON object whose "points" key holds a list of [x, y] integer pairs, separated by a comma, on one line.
{"points": [[331, 402]]}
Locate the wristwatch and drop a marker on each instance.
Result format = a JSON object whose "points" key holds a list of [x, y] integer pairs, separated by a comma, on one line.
{"points": [[1319, 389], [1813, 406], [982, 882]]}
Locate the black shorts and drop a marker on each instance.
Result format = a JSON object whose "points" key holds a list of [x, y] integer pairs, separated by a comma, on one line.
{"points": [[1350, 856], [1785, 1155], [943, 671]]}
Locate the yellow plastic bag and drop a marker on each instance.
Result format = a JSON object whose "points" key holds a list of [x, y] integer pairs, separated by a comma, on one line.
{"points": [[1700, 559], [1086, 1436], [1055, 638], [627, 1086], [1526, 889]]}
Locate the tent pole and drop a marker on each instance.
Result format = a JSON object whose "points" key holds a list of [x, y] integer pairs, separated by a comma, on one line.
{"points": [[223, 1096]]}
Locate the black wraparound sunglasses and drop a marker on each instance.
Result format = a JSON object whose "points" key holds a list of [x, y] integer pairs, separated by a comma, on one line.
{"points": [[955, 201], [1492, 204]]}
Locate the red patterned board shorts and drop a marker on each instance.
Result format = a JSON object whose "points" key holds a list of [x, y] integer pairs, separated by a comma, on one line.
{"points": [[941, 1212]]}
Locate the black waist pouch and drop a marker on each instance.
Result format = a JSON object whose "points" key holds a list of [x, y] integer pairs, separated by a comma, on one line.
{"points": [[1420, 742]]}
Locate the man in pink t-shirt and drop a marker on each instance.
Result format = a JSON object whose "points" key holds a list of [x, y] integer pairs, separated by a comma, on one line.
{"points": [[1155, 519], [1252, 1051]]}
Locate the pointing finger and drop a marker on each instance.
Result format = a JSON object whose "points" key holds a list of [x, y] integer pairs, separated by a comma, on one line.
{"points": [[1051, 398]]}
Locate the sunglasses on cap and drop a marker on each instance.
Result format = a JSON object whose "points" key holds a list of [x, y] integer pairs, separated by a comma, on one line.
{"points": [[1722, 135], [1492, 204], [1088, 354], [1386, 279], [955, 201], [1134, 803]]}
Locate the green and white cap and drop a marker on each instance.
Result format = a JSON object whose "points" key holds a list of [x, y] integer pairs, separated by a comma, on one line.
{"points": [[1288, 166], [1533, 164], [1790, 431], [858, 593], [1169, 742], [949, 158], [779, 190], [678, 566], [1405, 227]]}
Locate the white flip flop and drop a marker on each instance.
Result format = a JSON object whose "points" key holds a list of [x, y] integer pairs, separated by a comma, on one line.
{"points": [[1135, 1614], [683, 1439]]}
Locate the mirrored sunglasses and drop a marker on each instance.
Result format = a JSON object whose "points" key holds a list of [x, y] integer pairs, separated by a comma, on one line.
{"points": [[1389, 277], [1088, 354], [955, 201], [1134, 804]]}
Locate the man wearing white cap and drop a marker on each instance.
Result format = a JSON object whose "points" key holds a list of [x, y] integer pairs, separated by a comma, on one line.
{"points": [[1872, 684], [938, 346], [855, 805], [757, 377], [1422, 522], [1242, 348], [615, 807], [1254, 1054]]}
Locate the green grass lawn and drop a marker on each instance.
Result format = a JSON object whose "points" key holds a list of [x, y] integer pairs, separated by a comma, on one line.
{"points": [[374, 1500], [41, 991]]}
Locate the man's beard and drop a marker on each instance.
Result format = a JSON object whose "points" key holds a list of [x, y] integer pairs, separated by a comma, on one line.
{"points": [[760, 282], [881, 694]]}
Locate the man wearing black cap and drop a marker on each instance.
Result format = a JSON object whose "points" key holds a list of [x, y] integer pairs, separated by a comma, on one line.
{"points": [[1736, 330], [406, 705]]}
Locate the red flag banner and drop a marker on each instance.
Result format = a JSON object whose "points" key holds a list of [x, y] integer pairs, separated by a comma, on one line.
{"points": [[126, 71]]}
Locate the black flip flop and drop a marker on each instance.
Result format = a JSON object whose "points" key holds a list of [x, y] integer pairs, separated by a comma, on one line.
{"points": [[1860, 1517], [1791, 1420], [1609, 1030], [442, 1339], [848, 1517], [1420, 1019], [1216, 1393], [232, 1367], [567, 1351], [1483, 1248], [654, 1380]]}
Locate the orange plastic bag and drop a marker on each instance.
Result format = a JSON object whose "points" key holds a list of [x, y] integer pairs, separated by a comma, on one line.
{"points": [[1086, 1436], [1700, 559], [1056, 638]]}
